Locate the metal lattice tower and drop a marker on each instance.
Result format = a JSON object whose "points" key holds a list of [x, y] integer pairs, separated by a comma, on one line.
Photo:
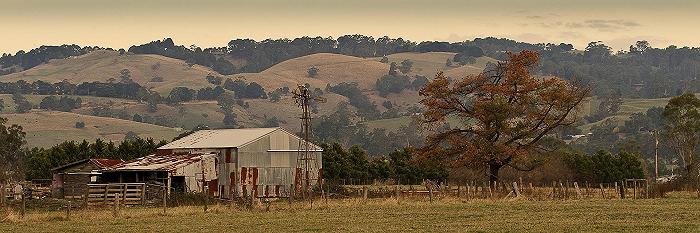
{"points": [[306, 160]]}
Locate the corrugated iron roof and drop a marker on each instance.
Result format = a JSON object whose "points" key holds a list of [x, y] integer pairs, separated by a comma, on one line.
{"points": [[220, 138], [105, 163], [100, 163], [159, 162]]}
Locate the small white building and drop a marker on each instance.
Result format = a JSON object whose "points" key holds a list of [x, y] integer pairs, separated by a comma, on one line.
{"points": [[263, 162]]}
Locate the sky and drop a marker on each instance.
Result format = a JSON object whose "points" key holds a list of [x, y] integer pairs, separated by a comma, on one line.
{"points": [[28, 24]]}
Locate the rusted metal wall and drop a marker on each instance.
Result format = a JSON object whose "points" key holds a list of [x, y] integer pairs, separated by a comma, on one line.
{"points": [[266, 167], [193, 173]]}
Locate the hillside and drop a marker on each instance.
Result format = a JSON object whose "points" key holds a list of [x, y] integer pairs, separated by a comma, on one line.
{"points": [[103, 65], [332, 69], [47, 128]]}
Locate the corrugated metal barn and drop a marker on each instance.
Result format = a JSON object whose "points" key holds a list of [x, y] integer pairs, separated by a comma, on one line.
{"points": [[257, 161]]}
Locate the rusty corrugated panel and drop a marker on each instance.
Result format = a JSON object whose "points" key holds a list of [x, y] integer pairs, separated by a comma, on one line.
{"points": [[255, 181], [297, 180], [106, 163], [213, 187], [232, 177]]}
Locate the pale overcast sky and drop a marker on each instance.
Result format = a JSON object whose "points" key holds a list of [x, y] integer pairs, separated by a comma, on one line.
{"points": [[118, 24]]}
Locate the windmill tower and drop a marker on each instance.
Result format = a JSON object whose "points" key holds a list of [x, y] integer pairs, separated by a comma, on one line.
{"points": [[306, 161]]}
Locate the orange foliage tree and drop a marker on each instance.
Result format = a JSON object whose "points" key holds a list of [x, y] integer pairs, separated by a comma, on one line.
{"points": [[503, 114]]}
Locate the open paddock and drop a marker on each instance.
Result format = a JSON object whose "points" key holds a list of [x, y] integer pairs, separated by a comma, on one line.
{"points": [[678, 212]]}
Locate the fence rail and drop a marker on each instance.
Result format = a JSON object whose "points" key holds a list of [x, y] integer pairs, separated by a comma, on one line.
{"points": [[107, 194]]}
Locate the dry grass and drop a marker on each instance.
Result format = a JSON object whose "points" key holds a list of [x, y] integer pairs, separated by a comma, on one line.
{"points": [[47, 128], [102, 65], [380, 215], [332, 69]]}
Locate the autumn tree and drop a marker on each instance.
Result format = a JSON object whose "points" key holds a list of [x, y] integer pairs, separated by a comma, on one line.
{"points": [[682, 127], [505, 112]]}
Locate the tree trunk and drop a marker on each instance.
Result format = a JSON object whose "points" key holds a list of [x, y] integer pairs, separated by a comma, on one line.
{"points": [[493, 173]]}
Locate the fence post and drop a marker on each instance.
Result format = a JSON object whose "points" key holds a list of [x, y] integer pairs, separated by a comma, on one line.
{"points": [[291, 193], [364, 192], [646, 187], [430, 192], [115, 206], [165, 200], [2, 195], [622, 190], [68, 210], [554, 190], [515, 189], [24, 203]]}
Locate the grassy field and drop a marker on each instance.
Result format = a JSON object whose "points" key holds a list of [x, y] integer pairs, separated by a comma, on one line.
{"points": [[103, 65], [47, 128], [381, 215], [628, 107]]}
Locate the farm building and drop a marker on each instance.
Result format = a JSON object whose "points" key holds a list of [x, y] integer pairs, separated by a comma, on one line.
{"points": [[181, 172], [262, 162], [70, 180]]}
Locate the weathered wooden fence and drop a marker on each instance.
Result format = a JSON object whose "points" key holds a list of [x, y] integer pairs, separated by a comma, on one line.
{"points": [[124, 193], [629, 188]]}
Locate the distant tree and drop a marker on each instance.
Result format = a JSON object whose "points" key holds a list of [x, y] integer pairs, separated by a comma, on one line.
{"points": [[392, 68], [509, 111], [131, 136], [387, 104], [640, 47], [181, 94], [125, 76], [312, 72], [223, 66], [2, 105], [79, 125], [22, 105], [604, 167], [216, 80], [682, 128], [464, 59], [226, 103], [384, 59], [152, 101], [122, 52], [448, 63], [406, 66], [12, 153], [271, 122], [157, 79], [275, 96], [137, 118], [392, 84], [419, 82]]}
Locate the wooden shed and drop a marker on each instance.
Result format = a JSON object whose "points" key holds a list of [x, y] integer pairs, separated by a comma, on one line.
{"points": [[70, 181]]}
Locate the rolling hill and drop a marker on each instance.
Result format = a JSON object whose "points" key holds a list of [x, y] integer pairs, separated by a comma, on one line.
{"points": [[103, 65], [47, 128]]}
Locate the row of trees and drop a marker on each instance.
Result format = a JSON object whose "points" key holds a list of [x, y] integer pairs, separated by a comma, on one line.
{"points": [[354, 164], [25, 60], [647, 72]]}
